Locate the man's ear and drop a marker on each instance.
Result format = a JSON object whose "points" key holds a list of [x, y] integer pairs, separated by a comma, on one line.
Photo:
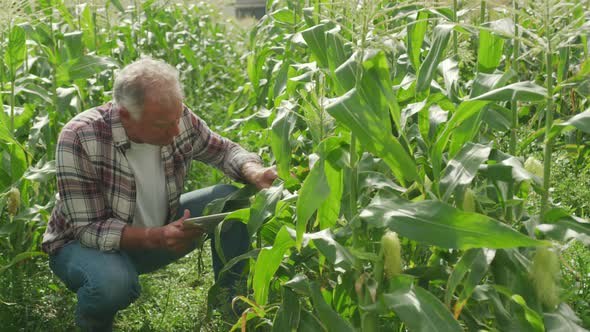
{"points": [[124, 113]]}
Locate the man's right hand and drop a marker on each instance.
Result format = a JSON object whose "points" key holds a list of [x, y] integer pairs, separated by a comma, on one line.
{"points": [[174, 236]]}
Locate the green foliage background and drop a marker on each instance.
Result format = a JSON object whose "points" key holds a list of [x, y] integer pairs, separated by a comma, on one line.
{"points": [[423, 118]]}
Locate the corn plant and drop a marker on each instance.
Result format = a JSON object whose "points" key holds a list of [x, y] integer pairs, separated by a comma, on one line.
{"points": [[377, 124]]}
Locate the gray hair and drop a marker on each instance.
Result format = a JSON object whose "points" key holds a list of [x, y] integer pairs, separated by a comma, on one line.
{"points": [[142, 77]]}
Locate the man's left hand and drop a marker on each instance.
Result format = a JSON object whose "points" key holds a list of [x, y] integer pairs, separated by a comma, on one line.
{"points": [[258, 175]]}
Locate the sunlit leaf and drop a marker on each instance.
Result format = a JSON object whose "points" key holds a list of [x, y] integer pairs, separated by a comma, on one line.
{"points": [[436, 223]]}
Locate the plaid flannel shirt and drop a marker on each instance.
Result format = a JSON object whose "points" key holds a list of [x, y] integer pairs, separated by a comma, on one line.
{"points": [[96, 188]]}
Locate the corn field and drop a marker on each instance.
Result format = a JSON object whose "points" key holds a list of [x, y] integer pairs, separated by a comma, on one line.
{"points": [[414, 142]]}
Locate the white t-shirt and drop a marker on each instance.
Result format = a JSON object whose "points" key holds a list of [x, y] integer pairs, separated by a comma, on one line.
{"points": [[151, 206]]}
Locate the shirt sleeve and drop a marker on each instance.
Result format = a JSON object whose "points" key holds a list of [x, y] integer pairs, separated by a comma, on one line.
{"points": [[220, 152], [83, 200]]}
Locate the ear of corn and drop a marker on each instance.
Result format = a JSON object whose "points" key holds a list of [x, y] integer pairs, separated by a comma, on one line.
{"points": [[13, 201], [392, 263], [534, 166], [545, 276], [469, 201]]}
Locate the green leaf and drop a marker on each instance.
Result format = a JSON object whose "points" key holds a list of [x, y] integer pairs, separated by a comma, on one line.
{"points": [[461, 170], [315, 37], [288, 315], [74, 45], [283, 15], [466, 110], [560, 225], [529, 319], [521, 91], [449, 69], [21, 257], [418, 309], [468, 272], [373, 131], [267, 264], [483, 82], [263, 207], [117, 4], [334, 252], [416, 32], [442, 33], [579, 121], [313, 193], [16, 51], [280, 135], [45, 172], [436, 223], [562, 320], [329, 211], [329, 318], [490, 50], [83, 67]]}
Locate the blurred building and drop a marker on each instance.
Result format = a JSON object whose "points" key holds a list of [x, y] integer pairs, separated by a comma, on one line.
{"points": [[250, 8]]}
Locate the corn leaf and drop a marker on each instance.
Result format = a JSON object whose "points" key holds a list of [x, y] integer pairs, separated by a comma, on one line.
{"points": [[267, 264], [489, 53], [442, 33], [436, 223], [313, 193], [416, 33], [16, 51], [372, 131], [418, 309], [521, 91], [461, 170]]}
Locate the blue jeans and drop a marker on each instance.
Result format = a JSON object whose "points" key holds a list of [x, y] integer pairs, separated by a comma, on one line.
{"points": [[106, 282]]}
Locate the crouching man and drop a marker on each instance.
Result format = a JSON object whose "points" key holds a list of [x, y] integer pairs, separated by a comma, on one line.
{"points": [[121, 169]]}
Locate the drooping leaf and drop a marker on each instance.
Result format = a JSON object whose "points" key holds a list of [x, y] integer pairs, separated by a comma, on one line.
{"points": [[442, 33], [263, 207], [579, 121], [560, 225], [418, 309], [315, 37], [313, 193], [334, 252], [371, 131], [466, 110], [267, 264], [280, 134], [468, 272], [436, 223], [41, 172], [490, 50], [82, 67], [328, 316], [287, 318], [461, 170], [521, 91]]}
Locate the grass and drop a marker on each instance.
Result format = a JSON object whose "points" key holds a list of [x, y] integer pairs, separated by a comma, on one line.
{"points": [[173, 299]]}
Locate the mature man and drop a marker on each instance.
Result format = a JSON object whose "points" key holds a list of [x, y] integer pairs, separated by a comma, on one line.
{"points": [[121, 169]]}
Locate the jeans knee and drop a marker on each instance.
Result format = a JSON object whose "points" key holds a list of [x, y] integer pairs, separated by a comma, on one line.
{"points": [[108, 293], [223, 190]]}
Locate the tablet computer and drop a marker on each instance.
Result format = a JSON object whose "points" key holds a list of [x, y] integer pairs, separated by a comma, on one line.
{"points": [[207, 223]]}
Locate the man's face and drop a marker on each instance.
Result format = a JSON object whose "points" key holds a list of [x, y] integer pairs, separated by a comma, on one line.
{"points": [[158, 124]]}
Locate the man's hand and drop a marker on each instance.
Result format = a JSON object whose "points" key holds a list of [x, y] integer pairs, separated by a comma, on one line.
{"points": [[174, 236], [258, 175]]}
